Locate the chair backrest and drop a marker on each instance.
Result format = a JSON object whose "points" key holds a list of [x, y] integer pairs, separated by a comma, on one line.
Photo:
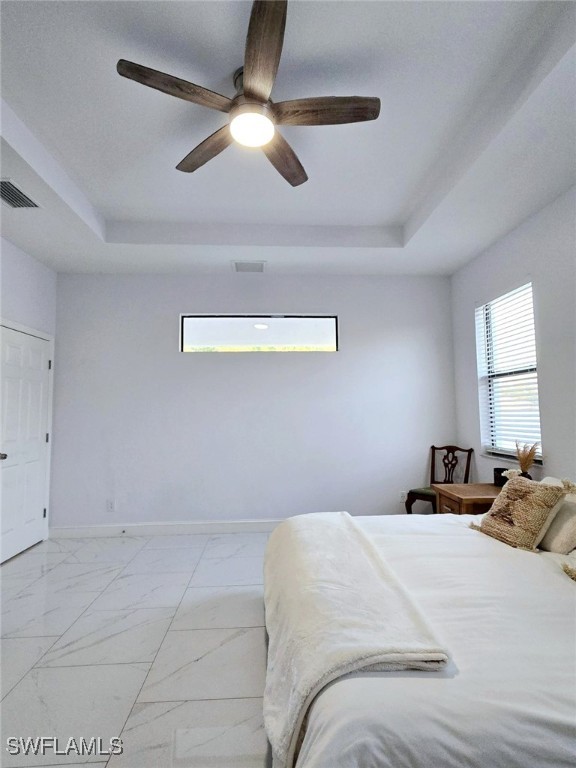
{"points": [[446, 457]]}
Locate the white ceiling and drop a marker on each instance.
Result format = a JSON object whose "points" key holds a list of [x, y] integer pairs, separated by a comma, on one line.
{"points": [[476, 133]]}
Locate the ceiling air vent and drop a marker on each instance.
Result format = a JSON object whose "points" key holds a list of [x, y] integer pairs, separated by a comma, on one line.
{"points": [[14, 197], [249, 266]]}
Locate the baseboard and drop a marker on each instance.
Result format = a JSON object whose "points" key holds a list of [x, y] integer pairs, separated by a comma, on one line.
{"points": [[164, 529]]}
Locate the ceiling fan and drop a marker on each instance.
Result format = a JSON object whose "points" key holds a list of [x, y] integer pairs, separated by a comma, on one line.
{"points": [[253, 117]]}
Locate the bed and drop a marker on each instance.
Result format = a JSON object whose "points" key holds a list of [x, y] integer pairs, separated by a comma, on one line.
{"points": [[506, 698]]}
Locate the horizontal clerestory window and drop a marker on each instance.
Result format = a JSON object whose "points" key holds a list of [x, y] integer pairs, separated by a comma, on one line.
{"points": [[258, 333]]}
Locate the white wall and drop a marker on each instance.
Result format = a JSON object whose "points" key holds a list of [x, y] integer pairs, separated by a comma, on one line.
{"points": [[543, 250], [28, 289], [184, 437]]}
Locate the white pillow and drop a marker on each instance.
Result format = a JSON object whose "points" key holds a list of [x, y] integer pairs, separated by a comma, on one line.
{"points": [[552, 481], [561, 535]]}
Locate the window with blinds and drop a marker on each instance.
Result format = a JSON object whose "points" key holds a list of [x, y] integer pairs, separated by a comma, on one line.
{"points": [[507, 373]]}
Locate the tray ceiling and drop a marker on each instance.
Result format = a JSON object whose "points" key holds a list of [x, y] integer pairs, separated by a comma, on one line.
{"points": [[476, 132]]}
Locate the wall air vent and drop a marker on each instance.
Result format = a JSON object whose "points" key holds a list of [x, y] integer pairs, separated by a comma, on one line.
{"points": [[249, 266], [14, 197]]}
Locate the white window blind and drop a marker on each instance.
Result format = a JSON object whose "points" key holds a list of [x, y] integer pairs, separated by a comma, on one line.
{"points": [[507, 372]]}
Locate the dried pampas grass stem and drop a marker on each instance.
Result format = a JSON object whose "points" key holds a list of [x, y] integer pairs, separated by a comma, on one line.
{"points": [[526, 454]]}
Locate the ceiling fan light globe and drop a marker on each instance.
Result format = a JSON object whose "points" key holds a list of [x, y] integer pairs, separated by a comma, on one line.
{"points": [[252, 129]]}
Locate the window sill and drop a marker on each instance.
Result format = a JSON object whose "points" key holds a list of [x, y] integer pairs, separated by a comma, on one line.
{"points": [[508, 459]]}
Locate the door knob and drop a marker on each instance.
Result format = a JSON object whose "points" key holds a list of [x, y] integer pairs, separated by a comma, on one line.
{"points": [[3, 456]]}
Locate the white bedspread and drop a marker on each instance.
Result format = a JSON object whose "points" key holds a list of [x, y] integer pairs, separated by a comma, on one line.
{"points": [[508, 697], [333, 606]]}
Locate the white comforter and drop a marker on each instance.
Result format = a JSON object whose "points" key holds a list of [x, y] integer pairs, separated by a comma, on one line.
{"points": [[508, 698]]}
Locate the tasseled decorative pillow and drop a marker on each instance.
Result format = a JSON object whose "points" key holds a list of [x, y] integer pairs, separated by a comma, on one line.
{"points": [[568, 570], [522, 513]]}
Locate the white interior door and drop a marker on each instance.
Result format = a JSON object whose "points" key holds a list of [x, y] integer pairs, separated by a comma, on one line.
{"points": [[25, 382]]}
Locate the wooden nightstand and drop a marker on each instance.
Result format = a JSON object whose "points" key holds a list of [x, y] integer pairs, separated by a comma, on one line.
{"points": [[465, 498]]}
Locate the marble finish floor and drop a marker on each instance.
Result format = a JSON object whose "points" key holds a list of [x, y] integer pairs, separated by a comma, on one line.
{"points": [[158, 641]]}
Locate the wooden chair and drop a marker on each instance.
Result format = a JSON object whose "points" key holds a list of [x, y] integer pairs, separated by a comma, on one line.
{"points": [[449, 461]]}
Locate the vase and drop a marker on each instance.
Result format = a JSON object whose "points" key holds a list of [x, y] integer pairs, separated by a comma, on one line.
{"points": [[499, 479], [526, 475]]}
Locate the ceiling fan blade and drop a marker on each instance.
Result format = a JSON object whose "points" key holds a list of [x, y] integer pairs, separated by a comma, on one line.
{"points": [[327, 110], [284, 159], [263, 47], [209, 148], [173, 86]]}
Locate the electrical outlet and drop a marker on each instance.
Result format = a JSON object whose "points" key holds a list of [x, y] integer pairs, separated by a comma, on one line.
{"points": [[110, 506], [403, 497]]}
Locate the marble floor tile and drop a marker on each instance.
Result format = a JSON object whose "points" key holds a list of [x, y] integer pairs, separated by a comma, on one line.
{"points": [[18, 656], [60, 545], [194, 734], [33, 614], [52, 603], [111, 637], [30, 565], [165, 561], [10, 588], [236, 545], [208, 664], [120, 549], [181, 541], [67, 579], [228, 572], [69, 702], [143, 590], [220, 607]]}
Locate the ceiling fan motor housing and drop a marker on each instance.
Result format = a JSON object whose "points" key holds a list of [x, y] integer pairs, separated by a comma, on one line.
{"points": [[238, 78], [242, 104]]}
